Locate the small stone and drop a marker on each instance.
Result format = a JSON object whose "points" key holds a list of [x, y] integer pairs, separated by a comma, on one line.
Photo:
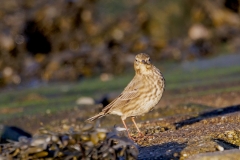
{"points": [[85, 101], [220, 148], [175, 154], [185, 155]]}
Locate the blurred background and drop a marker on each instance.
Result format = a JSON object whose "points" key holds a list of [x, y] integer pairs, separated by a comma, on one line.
{"points": [[61, 61], [67, 40]]}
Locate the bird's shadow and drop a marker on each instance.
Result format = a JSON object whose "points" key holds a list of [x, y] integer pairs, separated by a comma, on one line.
{"points": [[208, 114], [170, 150]]}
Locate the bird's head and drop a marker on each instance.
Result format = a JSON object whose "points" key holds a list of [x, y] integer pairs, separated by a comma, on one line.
{"points": [[142, 64]]}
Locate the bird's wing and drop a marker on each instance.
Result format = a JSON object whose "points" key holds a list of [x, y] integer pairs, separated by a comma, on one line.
{"points": [[130, 92]]}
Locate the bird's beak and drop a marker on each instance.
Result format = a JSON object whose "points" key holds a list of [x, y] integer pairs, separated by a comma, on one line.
{"points": [[145, 62]]}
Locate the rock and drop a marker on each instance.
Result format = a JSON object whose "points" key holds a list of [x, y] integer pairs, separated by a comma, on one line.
{"points": [[198, 31], [220, 155], [12, 133], [85, 101], [6, 42], [86, 143]]}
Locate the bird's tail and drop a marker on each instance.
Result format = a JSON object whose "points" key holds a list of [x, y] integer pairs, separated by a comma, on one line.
{"points": [[101, 114]]}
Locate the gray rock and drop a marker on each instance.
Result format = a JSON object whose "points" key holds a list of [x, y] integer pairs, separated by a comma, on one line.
{"points": [[233, 154]]}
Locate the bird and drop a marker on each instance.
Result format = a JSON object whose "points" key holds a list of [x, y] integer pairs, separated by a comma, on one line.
{"points": [[140, 96]]}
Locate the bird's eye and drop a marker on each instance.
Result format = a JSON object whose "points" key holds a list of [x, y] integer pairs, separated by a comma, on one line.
{"points": [[136, 60]]}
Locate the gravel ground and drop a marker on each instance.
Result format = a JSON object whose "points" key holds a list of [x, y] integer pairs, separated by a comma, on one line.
{"points": [[179, 127]]}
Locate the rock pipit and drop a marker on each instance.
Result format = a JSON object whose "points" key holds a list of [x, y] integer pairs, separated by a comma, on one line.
{"points": [[141, 94]]}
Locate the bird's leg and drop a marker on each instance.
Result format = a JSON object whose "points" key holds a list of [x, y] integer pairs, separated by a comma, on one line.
{"points": [[126, 127], [133, 119]]}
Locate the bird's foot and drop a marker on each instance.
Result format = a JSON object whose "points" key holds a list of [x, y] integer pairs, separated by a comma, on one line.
{"points": [[140, 134], [137, 136]]}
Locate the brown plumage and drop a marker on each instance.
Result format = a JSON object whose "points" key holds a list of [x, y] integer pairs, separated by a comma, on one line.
{"points": [[141, 94]]}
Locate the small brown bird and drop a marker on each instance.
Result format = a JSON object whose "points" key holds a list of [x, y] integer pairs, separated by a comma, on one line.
{"points": [[141, 94]]}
